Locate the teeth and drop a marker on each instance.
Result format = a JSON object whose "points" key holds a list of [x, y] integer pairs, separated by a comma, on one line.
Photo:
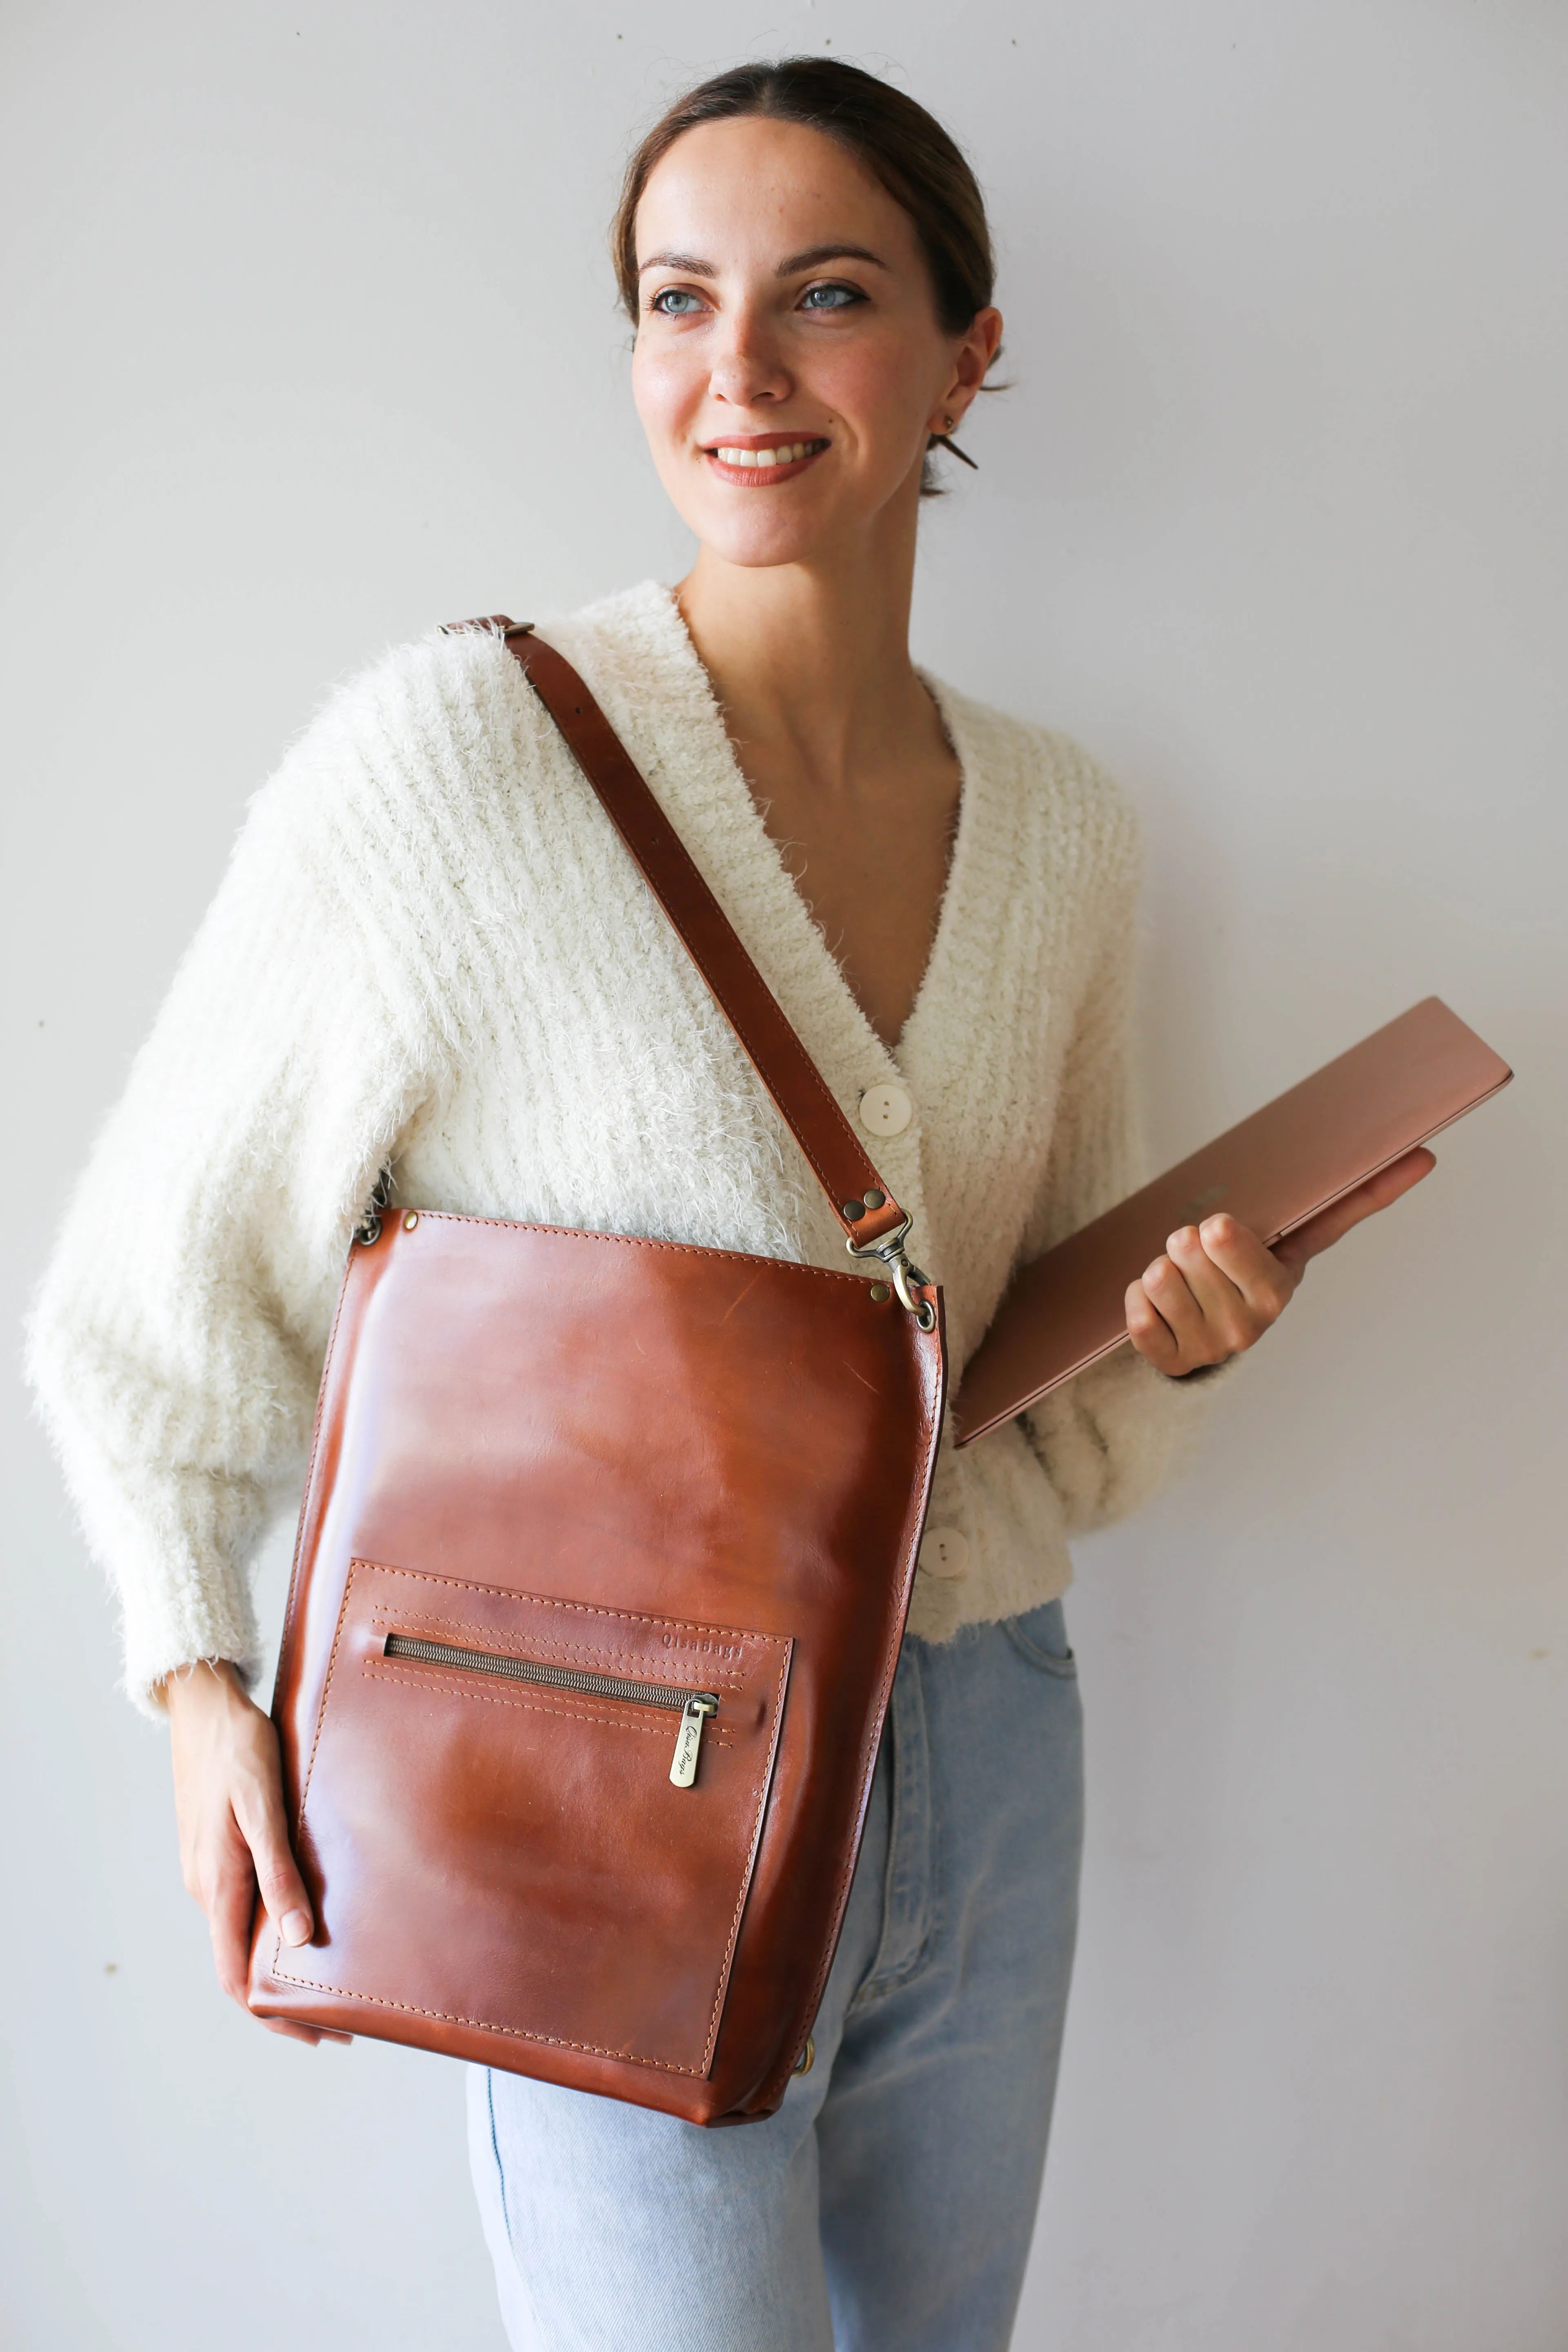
{"points": [[790, 453]]}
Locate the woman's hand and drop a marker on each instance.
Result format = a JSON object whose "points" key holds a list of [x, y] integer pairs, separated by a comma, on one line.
{"points": [[1217, 1288], [228, 1794]]}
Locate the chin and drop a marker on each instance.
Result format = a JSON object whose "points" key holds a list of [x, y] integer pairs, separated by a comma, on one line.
{"points": [[760, 542], [749, 557]]}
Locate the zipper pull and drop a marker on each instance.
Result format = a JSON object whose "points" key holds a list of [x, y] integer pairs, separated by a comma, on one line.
{"points": [[689, 1738]]}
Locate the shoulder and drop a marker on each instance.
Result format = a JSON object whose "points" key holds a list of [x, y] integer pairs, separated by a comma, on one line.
{"points": [[1071, 812], [420, 715], [451, 711], [434, 737]]}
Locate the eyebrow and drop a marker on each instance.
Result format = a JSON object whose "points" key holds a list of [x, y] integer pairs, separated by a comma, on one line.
{"points": [[812, 259], [815, 254]]}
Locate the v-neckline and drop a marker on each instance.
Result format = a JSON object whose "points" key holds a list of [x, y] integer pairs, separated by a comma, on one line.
{"points": [[771, 879]]}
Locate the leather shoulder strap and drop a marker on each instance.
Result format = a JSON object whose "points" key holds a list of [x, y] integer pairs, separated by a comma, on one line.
{"points": [[860, 1201]]}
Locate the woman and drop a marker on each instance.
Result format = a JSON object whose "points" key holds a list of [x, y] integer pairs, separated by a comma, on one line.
{"points": [[430, 953]]}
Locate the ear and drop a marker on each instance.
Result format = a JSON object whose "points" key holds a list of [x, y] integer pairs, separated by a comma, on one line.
{"points": [[977, 349]]}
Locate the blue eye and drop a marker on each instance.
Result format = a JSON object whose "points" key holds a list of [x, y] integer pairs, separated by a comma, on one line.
{"points": [[676, 302], [830, 298]]}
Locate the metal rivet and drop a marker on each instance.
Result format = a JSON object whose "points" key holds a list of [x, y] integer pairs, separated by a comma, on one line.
{"points": [[854, 1211], [807, 2059], [880, 1293], [410, 1221], [875, 1200]]}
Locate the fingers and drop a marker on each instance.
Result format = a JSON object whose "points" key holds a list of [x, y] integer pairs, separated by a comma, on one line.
{"points": [[311, 2033], [234, 1834], [229, 1901], [1147, 1329], [257, 1797], [1380, 1192], [1214, 1292], [234, 1838], [1223, 1324], [1175, 1323], [1257, 1287]]}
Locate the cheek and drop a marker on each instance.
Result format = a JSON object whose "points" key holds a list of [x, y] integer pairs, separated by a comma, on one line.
{"points": [[881, 393], [665, 388]]}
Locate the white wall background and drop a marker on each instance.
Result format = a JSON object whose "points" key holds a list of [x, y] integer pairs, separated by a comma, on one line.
{"points": [[310, 344]]}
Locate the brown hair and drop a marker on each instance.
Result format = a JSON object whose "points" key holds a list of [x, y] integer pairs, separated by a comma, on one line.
{"points": [[905, 148]]}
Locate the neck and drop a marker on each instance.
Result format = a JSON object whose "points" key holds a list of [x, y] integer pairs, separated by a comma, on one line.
{"points": [[813, 658]]}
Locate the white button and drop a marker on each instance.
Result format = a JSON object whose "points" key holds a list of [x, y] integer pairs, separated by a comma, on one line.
{"points": [[944, 1551], [886, 1110]]}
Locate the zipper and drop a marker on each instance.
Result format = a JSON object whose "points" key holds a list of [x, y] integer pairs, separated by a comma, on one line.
{"points": [[693, 1706]]}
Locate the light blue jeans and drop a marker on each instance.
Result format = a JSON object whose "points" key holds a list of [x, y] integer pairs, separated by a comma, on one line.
{"points": [[888, 2206]]}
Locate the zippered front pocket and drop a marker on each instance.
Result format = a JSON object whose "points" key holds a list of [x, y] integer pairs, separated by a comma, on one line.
{"points": [[693, 1706], [497, 1841]]}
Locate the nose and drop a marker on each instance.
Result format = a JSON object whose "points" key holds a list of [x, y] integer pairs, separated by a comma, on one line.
{"points": [[748, 369]]}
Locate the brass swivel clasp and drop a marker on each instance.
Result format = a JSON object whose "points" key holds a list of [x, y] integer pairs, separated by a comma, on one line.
{"points": [[907, 1278]]}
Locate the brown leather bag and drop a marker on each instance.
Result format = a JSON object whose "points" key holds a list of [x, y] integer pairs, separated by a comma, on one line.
{"points": [[602, 1568]]}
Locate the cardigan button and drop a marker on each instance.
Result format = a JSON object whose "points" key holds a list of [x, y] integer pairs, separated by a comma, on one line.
{"points": [[945, 1552], [886, 1110]]}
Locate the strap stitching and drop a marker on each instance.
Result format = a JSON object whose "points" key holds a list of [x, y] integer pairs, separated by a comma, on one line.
{"points": [[643, 1241], [577, 1608]]}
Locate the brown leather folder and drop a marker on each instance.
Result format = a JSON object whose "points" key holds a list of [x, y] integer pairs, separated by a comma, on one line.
{"points": [[1292, 1158]]}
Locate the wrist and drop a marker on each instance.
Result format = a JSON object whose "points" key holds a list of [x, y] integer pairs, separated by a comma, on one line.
{"points": [[200, 1687]]}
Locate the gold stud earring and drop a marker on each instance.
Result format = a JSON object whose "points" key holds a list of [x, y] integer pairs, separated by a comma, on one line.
{"points": [[944, 440]]}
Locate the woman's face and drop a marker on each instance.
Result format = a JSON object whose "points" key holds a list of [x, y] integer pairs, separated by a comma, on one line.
{"points": [[789, 362]]}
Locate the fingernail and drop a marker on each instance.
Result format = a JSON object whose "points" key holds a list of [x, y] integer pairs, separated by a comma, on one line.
{"points": [[296, 1927]]}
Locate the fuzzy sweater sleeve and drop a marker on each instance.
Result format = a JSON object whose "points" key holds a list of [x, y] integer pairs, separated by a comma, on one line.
{"points": [[177, 1340], [1110, 1437]]}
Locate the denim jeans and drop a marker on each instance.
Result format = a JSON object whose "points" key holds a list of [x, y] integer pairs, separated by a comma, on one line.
{"points": [[888, 2206]]}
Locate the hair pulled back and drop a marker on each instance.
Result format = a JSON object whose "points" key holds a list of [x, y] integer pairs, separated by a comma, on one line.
{"points": [[920, 166]]}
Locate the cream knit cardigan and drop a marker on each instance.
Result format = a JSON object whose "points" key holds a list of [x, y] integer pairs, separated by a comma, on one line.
{"points": [[429, 948]]}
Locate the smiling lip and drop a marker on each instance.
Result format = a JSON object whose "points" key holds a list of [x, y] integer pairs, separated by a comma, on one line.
{"points": [[738, 457]]}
